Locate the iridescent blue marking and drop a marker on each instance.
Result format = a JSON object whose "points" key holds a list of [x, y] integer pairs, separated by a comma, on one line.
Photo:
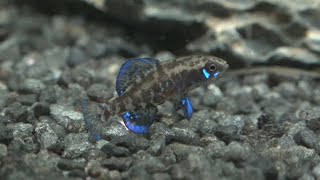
{"points": [[187, 107], [130, 120], [206, 74], [216, 75]]}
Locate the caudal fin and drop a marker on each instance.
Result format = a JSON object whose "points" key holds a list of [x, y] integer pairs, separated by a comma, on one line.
{"points": [[93, 115]]}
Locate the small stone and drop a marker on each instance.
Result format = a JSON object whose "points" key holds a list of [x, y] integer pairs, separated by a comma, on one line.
{"points": [[157, 145], [48, 95], [3, 151], [177, 172], [164, 56], [136, 172], [76, 56], [168, 157], [46, 135], [308, 139], [64, 115], [148, 162], [17, 112], [67, 165], [201, 165], [212, 96], [237, 152], [99, 92], [161, 129], [5, 119], [6, 134], [27, 99], [120, 164], [41, 109], [113, 150], [32, 86], [313, 123], [216, 149], [227, 133], [134, 142], [161, 176], [182, 151], [77, 173], [21, 130], [316, 171], [76, 145], [185, 135]]}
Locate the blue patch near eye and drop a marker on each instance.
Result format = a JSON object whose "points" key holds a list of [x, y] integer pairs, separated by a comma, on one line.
{"points": [[216, 75], [206, 74], [131, 121], [187, 107]]}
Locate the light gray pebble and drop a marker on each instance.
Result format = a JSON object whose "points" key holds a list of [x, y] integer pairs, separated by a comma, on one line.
{"points": [[46, 135], [76, 145], [32, 86], [212, 96], [21, 130]]}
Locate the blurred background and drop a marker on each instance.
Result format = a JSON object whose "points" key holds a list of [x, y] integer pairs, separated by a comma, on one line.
{"points": [[55, 53]]}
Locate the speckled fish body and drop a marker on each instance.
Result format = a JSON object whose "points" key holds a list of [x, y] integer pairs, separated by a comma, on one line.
{"points": [[144, 83], [167, 80]]}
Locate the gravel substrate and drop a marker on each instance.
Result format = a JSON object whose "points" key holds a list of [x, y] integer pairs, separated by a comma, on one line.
{"points": [[249, 126]]}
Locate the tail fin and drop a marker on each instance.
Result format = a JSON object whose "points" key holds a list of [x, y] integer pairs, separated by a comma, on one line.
{"points": [[93, 115]]}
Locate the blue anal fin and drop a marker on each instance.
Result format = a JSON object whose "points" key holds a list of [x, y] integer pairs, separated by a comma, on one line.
{"points": [[92, 113], [187, 107], [139, 121]]}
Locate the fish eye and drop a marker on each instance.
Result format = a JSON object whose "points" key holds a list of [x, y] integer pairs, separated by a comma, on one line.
{"points": [[212, 67]]}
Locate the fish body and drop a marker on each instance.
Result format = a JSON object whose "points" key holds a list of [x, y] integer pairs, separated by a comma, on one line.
{"points": [[145, 83]]}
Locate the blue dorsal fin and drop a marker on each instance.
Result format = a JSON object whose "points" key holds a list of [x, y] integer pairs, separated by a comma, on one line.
{"points": [[139, 121], [131, 69]]}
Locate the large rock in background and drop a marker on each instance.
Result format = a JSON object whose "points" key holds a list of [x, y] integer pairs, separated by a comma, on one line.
{"points": [[244, 32]]}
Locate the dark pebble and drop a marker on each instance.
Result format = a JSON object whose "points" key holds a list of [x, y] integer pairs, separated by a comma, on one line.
{"points": [[77, 173], [48, 95], [121, 164], [17, 112], [227, 133], [181, 151], [41, 109], [113, 150], [67, 165], [150, 163], [168, 157], [133, 142], [27, 99], [81, 76], [6, 135], [313, 123], [161, 129], [140, 173], [308, 139], [186, 136]]}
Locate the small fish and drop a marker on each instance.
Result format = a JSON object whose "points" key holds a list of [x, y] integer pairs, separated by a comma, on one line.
{"points": [[144, 83]]}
